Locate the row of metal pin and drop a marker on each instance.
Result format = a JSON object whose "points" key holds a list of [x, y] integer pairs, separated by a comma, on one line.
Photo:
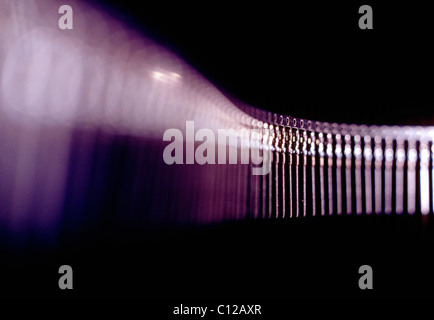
{"points": [[346, 170]]}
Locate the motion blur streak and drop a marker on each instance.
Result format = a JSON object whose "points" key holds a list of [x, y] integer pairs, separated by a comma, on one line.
{"points": [[82, 116]]}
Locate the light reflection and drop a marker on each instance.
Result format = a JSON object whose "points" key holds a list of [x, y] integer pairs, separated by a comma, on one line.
{"points": [[166, 77]]}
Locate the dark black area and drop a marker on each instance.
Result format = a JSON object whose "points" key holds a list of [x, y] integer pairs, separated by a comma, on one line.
{"points": [[257, 261], [305, 59]]}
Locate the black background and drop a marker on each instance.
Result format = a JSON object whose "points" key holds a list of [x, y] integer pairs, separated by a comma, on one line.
{"points": [[306, 60]]}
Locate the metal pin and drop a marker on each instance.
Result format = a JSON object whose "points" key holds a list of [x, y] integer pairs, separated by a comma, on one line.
{"points": [[378, 163], [358, 173], [424, 177], [297, 176], [321, 171], [329, 152], [367, 152], [411, 177], [313, 155], [338, 152], [348, 156], [399, 188], [388, 164]]}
